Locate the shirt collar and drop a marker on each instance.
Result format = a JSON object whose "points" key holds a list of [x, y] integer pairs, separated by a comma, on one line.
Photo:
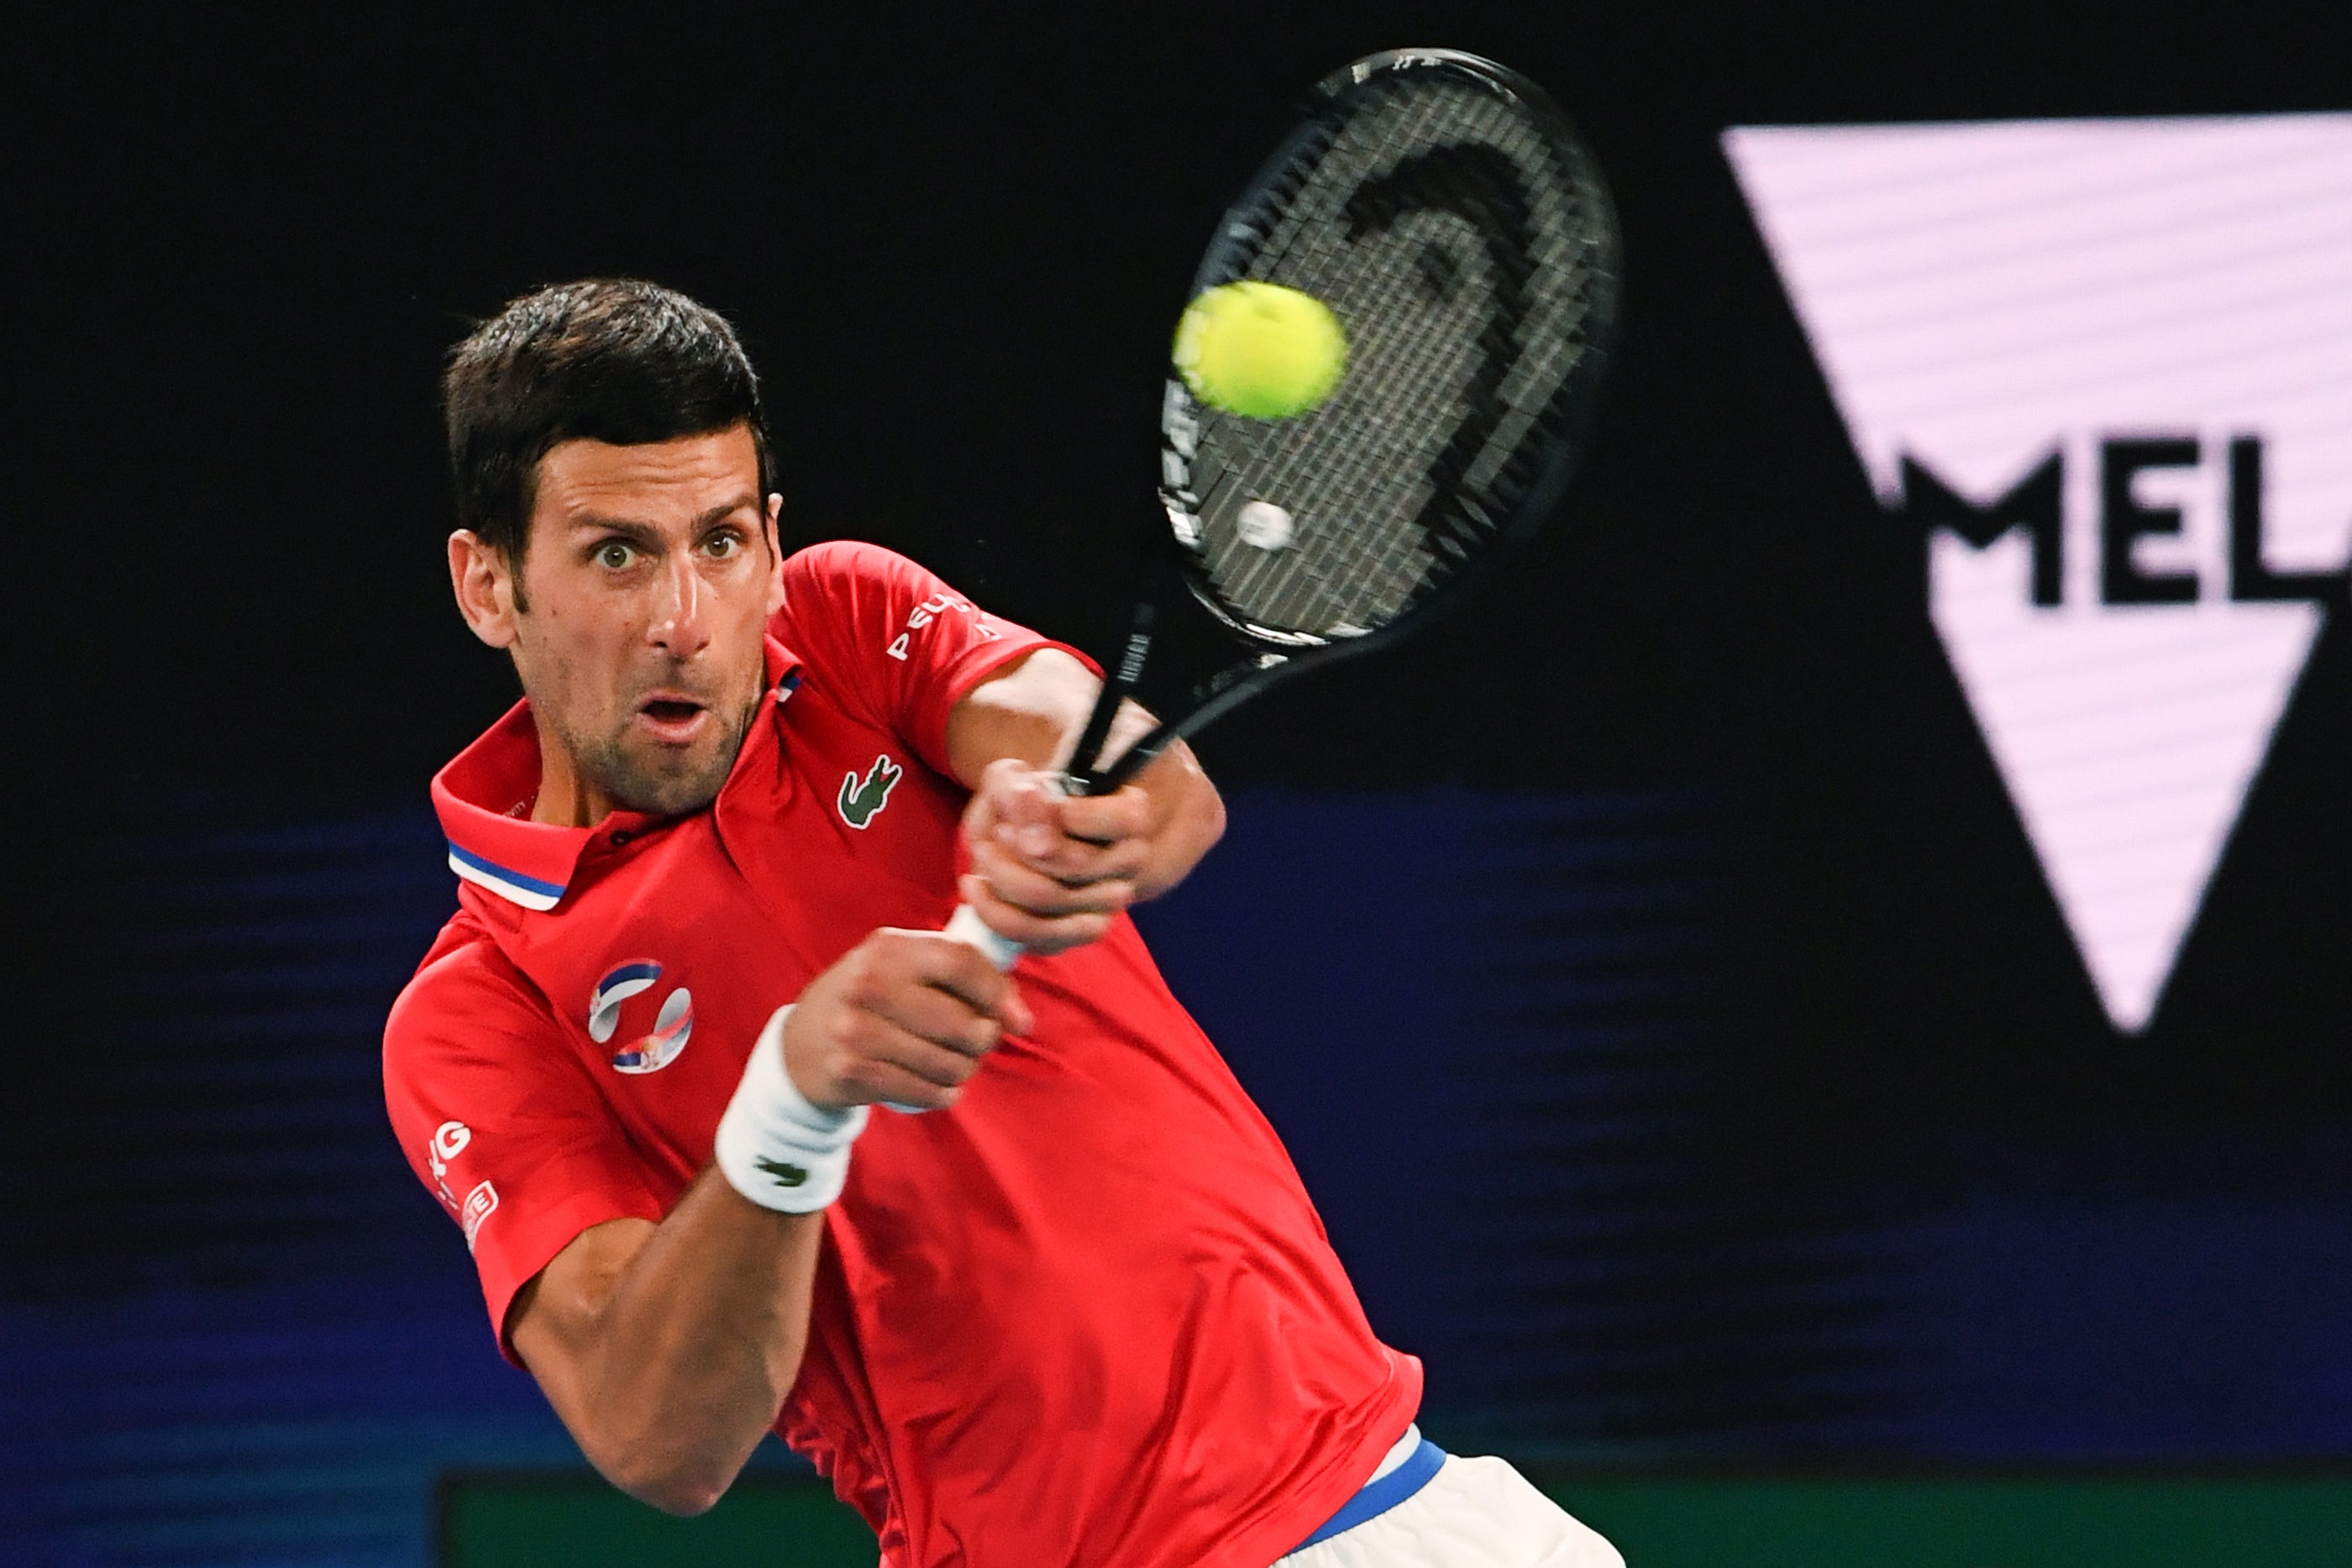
{"points": [[484, 795]]}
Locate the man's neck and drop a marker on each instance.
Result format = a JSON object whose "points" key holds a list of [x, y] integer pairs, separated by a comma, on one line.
{"points": [[565, 800]]}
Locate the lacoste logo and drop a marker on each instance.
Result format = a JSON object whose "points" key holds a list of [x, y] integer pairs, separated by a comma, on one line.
{"points": [[784, 1174], [2095, 364], [863, 799]]}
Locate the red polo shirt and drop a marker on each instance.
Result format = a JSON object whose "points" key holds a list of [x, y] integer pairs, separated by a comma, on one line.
{"points": [[1087, 1316]]}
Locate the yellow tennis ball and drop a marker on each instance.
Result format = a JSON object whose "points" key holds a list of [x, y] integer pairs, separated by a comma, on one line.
{"points": [[1260, 350]]}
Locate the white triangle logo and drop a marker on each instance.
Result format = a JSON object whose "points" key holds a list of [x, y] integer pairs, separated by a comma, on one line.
{"points": [[2110, 363]]}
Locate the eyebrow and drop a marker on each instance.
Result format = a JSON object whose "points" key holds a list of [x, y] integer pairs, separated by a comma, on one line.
{"points": [[630, 527]]}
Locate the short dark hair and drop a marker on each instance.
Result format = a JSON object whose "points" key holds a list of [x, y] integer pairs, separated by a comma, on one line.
{"points": [[606, 358]]}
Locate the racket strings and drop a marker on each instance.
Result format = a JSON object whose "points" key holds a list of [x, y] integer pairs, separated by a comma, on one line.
{"points": [[1400, 183], [1559, 330], [1454, 240], [1363, 564]]}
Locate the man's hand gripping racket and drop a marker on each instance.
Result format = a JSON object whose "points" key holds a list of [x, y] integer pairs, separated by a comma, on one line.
{"points": [[1445, 213]]}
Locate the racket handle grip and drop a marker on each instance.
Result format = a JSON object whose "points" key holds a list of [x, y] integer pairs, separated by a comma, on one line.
{"points": [[967, 928]]}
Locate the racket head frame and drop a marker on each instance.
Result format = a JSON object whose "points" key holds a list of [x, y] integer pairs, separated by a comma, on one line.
{"points": [[1273, 654]]}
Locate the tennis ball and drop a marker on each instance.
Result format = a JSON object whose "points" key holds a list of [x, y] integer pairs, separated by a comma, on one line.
{"points": [[1260, 350]]}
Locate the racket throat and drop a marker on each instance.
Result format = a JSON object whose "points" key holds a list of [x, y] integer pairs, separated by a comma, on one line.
{"points": [[1085, 776]]}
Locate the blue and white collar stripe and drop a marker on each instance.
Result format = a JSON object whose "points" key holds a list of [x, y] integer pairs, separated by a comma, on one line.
{"points": [[527, 890]]}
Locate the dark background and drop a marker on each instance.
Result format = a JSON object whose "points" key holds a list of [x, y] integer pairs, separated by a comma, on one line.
{"points": [[1786, 1121]]}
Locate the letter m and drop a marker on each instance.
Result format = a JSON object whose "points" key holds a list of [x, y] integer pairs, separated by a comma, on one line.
{"points": [[2031, 504]]}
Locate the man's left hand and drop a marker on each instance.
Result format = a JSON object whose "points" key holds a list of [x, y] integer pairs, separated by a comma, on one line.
{"points": [[1052, 871]]}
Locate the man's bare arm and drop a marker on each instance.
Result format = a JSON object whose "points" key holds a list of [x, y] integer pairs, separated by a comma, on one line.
{"points": [[1051, 872], [668, 1349]]}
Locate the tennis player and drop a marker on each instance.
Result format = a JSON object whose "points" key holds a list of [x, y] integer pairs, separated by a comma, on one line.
{"points": [[739, 1142]]}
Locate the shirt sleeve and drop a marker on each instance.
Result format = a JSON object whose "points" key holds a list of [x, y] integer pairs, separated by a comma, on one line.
{"points": [[898, 645], [500, 1122]]}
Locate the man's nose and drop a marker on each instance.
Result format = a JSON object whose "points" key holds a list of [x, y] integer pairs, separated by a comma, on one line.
{"points": [[680, 625]]}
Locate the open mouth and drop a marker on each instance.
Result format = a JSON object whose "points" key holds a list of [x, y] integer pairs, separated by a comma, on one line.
{"points": [[672, 719]]}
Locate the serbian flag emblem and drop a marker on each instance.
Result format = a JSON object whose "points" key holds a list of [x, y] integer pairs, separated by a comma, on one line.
{"points": [[672, 1025]]}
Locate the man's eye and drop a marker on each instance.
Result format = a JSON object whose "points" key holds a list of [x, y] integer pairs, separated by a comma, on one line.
{"points": [[612, 554], [723, 545]]}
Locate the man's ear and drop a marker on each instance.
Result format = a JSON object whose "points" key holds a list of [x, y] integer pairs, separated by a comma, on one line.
{"points": [[484, 583], [775, 555]]}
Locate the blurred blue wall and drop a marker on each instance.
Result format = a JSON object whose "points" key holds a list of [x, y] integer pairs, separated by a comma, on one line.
{"points": [[1516, 1042]]}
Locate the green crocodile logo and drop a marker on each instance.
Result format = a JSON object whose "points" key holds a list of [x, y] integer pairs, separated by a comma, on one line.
{"points": [[786, 1176], [862, 799]]}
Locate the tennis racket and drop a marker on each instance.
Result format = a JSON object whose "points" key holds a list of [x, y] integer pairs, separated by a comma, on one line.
{"points": [[1444, 209]]}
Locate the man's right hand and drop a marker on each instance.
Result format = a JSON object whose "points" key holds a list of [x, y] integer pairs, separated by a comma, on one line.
{"points": [[904, 1018], [668, 1348]]}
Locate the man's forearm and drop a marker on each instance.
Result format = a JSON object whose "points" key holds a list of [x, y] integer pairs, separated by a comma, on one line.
{"points": [[676, 1354], [1033, 714]]}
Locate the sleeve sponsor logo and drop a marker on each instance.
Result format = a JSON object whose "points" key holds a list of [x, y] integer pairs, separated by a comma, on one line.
{"points": [[481, 1204], [447, 1142], [932, 608]]}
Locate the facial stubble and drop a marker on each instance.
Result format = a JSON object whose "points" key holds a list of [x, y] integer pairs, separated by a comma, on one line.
{"points": [[666, 783]]}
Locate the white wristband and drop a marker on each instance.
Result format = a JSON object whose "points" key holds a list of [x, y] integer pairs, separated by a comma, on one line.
{"points": [[774, 1147]]}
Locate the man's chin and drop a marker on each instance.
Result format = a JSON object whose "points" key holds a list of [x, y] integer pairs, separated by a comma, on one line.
{"points": [[670, 798], [637, 772], [668, 785]]}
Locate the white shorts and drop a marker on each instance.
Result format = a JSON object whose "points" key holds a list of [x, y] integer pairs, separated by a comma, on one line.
{"points": [[1472, 1513]]}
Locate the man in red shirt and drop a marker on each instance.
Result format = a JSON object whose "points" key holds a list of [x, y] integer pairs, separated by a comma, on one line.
{"points": [[1081, 1312]]}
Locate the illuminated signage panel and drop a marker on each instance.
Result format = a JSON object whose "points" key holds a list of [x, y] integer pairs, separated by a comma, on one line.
{"points": [[2108, 364]]}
